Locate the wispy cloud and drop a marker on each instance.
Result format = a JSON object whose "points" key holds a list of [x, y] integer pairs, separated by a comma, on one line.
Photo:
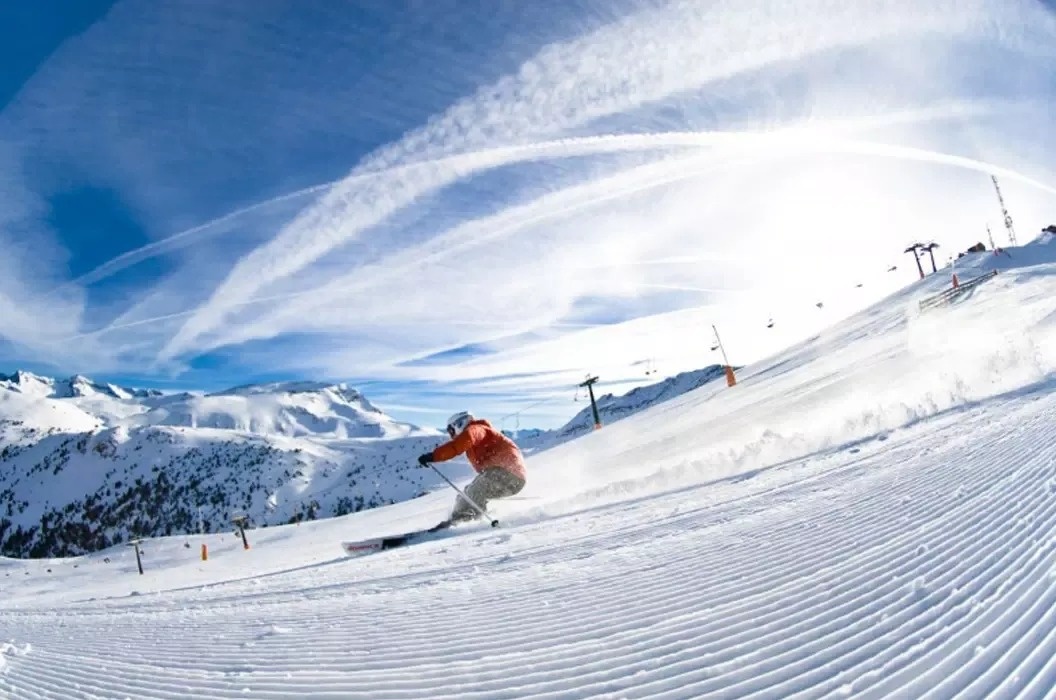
{"points": [[645, 58], [600, 199], [507, 253], [28, 265]]}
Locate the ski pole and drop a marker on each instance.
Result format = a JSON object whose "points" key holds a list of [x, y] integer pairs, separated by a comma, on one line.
{"points": [[470, 501]]}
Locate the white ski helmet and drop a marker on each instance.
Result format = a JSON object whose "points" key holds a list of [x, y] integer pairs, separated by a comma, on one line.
{"points": [[458, 422]]}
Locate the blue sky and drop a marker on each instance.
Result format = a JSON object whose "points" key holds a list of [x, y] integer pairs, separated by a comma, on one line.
{"points": [[464, 203]]}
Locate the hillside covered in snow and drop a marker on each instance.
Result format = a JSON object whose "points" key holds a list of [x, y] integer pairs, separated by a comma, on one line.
{"points": [[612, 408], [291, 409], [84, 464], [870, 513]]}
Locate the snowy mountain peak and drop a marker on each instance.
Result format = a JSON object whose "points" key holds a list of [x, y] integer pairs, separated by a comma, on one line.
{"points": [[292, 409], [80, 385], [76, 386], [341, 391], [283, 408], [22, 376], [27, 383]]}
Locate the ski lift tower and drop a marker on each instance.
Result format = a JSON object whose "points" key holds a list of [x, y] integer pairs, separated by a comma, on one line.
{"points": [[136, 542], [731, 378], [589, 383], [914, 249], [240, 520], [1004, 211]]}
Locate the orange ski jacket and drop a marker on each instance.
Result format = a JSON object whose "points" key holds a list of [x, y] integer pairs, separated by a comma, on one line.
{"points": [[485, 447]]}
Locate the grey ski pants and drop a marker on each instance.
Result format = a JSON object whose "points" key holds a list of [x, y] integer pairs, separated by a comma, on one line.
{"points": [[493, 482]]}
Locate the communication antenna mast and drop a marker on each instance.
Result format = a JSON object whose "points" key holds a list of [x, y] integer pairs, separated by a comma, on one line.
{"points": [[1008, 217]]}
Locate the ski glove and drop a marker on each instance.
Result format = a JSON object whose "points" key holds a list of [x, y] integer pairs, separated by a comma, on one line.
{"points": [[425, 459]]}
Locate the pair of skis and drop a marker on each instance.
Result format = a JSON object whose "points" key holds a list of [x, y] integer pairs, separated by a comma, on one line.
{"points": [[378, 544]]}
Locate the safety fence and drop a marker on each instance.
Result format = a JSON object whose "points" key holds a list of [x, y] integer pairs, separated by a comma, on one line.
{"points": [[955, 291]]}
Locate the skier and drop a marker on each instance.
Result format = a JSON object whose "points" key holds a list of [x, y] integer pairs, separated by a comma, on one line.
{"points": [[496, 458]]}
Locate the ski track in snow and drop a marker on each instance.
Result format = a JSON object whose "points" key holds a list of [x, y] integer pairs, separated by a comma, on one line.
{"points": [[920, 566]]}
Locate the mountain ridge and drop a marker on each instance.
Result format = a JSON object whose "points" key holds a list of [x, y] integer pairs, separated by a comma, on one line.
{"points": [[84, 466], [612, 408]]}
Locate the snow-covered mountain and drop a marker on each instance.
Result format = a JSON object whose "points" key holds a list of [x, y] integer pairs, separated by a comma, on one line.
{"points": [[27, 418], [70, 493], [76, 386], [85, 464], [296, 409], [612, 408]]}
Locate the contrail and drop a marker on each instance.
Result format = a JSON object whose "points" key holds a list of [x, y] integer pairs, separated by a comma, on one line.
{"points": [[777, 144], [793, 140], [177, 240], [188, 236], [646, 58]]}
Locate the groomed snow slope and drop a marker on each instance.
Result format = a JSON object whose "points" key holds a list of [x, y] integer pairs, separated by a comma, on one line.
{"points": [[871, 514]]}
